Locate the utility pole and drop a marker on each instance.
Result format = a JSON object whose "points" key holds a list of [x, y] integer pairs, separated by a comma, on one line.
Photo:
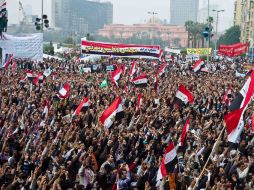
{"points": [[217, 23], [42, 16], [208, 40]]}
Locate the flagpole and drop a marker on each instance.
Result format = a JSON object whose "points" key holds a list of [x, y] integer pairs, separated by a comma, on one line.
{"points": [[214, 146]]}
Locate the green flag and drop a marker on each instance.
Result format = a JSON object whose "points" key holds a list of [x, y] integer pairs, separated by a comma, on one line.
{"points": [[104, 83]]}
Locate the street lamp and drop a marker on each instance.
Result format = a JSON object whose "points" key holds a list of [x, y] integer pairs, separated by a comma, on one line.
{"points": [[152, 13], [217, 22]]}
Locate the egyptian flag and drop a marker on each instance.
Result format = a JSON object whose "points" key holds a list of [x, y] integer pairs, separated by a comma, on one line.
{"points": [[115, 75], [185, 131], [8, 61], [198, 65], [168, 162], [82, 106], [156, 84], [139, 102], [162, 69], [114, 111], [38, 79], [46, 109], [234, 119], [64, 92], [183, 96], [133, 68], [30, 75], [140, 81]]}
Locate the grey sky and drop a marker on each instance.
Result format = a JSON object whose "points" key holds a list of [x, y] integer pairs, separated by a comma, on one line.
{"points": [[131, 11]]}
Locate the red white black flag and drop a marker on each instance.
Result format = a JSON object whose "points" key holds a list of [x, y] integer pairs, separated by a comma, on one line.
{"points": [[8, 61], [183, 95], [82, 106], [162, 69], [168, 162], [140, 81], [234, 120], [139, 102], [185, 131], [198, 65], [114, 111], [38, 78], [115, 75], [64, 92], [227, 96], [133, 68], [30, 75]]}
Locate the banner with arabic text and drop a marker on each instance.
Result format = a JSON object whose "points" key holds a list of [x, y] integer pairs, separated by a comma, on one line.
{"points": [[233, 50], [120, 50], [198, 51]]}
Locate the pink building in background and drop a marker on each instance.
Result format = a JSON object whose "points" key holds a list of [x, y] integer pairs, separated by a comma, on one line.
{"points": [[174, 35]]}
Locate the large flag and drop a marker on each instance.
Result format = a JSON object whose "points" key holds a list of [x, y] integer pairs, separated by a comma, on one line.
{"points": [[140, 81], [8, 61], [133, 68], [162, 69], [234, 120], [124, 69], [115, 75], [168, 162], [139, 102], [114, 111], [185, 131], [183, 95], [198, 65], [83, 105], [64, 92]]}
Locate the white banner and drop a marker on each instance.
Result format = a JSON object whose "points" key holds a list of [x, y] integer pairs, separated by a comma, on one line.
{"points": [[30, 47]]}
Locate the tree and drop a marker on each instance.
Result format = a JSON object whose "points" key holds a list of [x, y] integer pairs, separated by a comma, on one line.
{"points": [[48, 49], [231, 36], [188, 25], [69, 40]]}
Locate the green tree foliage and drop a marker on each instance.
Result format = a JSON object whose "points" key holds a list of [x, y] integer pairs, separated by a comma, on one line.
{"points": [[231, 36], [48, 49]]}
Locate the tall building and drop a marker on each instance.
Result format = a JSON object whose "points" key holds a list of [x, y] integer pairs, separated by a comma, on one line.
{"points": [[237, 12], [247, 21], [183, 10], [203, 13], [81, 16]]}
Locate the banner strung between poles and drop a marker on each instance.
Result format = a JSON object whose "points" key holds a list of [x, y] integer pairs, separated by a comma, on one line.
{"points": [[120, 50]]}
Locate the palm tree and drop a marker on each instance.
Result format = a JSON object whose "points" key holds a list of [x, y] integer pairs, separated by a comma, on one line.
{"points": [[188, 26]]}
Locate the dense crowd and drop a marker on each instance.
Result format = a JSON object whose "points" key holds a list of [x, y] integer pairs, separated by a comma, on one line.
{"points": [[62, 152]]}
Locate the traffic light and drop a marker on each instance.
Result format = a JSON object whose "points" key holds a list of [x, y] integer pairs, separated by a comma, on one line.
{"points": [[206, 32]]}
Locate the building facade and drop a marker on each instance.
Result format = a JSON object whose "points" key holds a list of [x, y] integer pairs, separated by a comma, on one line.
{"points": [[81, 16], [247, 21], [168, 33], [183, 10], [237, 12]]}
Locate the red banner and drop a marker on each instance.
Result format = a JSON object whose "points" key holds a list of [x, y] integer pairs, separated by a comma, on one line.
{"points": [[233, 50]]}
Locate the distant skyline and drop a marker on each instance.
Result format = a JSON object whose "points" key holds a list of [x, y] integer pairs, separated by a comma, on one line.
{"points": [[128, 11]]}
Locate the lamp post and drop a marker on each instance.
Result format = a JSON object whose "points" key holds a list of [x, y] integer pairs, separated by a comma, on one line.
{"points": [[208, 21], [217, 22], [152, 13]]}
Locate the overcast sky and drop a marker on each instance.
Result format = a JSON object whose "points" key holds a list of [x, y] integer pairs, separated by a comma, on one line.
{"points": [[129, 11]]}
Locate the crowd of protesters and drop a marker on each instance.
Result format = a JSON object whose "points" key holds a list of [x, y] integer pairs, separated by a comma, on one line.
{"points": [[60, 152]]}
